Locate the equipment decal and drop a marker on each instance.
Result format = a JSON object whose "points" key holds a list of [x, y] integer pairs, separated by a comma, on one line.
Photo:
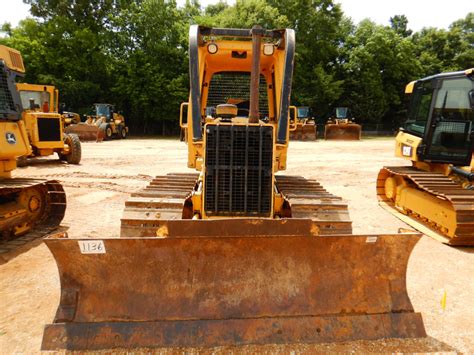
{"points": [[92, 246], [10, 137]]}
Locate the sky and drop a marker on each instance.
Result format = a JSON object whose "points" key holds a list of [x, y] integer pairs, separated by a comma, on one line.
{"points": [[420, 13]]}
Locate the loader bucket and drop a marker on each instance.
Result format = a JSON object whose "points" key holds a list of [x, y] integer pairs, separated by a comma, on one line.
{"points": [[349, 131], [198, 289], [304, 132], [86, 132]]}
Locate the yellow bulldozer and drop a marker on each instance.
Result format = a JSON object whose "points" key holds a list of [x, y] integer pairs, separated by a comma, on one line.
{"points": [[341, 126], [25, 204], [45, 126], [236, 253], [304, 126], [435, 194]]}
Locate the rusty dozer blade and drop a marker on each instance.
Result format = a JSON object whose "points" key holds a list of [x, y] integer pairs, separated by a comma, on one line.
{"points": [[198, 289], [349, 131], [86, 132]]}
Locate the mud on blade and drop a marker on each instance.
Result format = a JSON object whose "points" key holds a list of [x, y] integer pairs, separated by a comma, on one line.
{"points": [[209, 291]]}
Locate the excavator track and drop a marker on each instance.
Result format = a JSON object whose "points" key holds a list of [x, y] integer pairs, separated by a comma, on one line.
{"points": [[18, 224], [163, 200], [460, 199]]}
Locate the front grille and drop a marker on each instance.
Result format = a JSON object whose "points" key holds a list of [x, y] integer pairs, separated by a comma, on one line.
{"points": [[49, 129], [238, 178]]}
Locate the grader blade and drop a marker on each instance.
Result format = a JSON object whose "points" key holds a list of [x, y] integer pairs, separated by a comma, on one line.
{"points": [[188, 291], [350, 131], [86, 132]]}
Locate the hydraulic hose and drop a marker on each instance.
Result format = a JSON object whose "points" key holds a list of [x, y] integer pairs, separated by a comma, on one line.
{"points": [[463, 173]]}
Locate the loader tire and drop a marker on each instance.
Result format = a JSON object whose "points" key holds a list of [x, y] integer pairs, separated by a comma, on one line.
{"points": [[75, 149], [123, 133], [108, 132]]}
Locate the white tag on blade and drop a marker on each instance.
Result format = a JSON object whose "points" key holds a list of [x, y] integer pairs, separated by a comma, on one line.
{"points": [[371, 239], [92, 246]]}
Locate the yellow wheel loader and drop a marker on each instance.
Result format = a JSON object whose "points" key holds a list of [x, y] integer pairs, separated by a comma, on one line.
{"points": [[435, 194], [305, 126], [237, 253], [45, 125], [25, 204], [105, 123], [341, 126]]}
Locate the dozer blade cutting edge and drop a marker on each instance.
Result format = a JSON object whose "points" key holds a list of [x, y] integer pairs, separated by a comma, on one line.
{"points": [[350, 131], [200, 289]]}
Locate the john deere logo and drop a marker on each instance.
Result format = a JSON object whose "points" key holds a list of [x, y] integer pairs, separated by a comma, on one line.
{"points": [[11, 139]]}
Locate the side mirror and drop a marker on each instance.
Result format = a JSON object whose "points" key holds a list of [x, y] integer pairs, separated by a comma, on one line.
{"points": [[471, 98], [292, 125], [183, 112]]}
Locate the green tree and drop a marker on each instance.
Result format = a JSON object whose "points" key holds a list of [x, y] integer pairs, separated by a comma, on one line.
{"points": [[151, 64], [399, 23], [379, 63], [243, 14], [320, 30]]}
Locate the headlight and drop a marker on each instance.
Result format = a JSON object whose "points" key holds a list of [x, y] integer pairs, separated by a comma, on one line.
{"points": [[212, 48], [268, 48]]}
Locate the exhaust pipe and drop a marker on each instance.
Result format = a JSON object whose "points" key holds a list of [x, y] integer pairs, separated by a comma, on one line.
{"points": [[257, 33]]}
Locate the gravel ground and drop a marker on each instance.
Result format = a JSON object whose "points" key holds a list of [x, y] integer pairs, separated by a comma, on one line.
{"points": [[110, 171]]}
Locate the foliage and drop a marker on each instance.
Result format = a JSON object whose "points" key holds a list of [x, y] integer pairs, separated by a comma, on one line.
{"points": [[133, 53]]}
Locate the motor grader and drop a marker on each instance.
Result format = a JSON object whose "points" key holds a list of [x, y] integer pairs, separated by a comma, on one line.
{"points": [[236, 253], [341, 126], [435, 194], [305, 126], [45, 125], [25, 204]]}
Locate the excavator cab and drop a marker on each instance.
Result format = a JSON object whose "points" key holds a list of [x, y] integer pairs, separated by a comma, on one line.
{"points": [[435, 195], [441, 114], [236, 253]]}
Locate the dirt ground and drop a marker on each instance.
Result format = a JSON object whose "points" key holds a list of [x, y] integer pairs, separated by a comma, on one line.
{"points": [[110, 171]]}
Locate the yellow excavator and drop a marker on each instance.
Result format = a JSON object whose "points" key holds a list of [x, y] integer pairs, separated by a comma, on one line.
{"points": [[237, 253], [435, 194], [304, 125], [341, 126], [25, 204]]}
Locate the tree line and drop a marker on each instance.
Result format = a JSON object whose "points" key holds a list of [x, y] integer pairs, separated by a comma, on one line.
{"points": [[133, 53]]}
